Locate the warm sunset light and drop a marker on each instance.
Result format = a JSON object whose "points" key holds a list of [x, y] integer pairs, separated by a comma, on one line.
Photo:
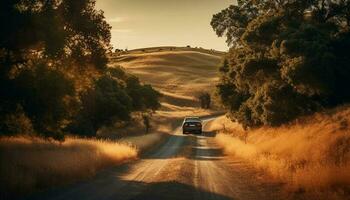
{"points": [[147, 23], [175, 99]]}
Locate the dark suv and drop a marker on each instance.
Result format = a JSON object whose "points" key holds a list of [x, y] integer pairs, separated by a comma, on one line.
{"points": [[192, 125]]}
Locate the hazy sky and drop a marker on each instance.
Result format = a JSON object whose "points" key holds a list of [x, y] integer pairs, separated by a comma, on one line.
{"points": [[147, 23]]}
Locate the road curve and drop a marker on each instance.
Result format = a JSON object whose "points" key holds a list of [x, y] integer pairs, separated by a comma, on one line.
{"points": [[184, 167]]}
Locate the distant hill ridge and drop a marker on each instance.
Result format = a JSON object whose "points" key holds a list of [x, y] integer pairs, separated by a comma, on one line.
{"points": [[172, 48]]}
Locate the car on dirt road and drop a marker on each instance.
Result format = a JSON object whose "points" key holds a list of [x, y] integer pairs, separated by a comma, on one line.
{"points": [[192, 125]]}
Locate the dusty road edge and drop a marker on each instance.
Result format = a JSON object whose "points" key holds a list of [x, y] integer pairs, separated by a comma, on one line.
{"points": [[164, 137]]}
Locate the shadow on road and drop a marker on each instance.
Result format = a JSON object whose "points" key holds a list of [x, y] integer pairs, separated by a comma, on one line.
{"points": [[190, 146], [108, 185], [202, 150], [174, 191], [200, 153], [209, 134]]}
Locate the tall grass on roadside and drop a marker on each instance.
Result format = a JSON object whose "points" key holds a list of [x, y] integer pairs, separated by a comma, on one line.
{"points": [[30, 164], [312, 154]]}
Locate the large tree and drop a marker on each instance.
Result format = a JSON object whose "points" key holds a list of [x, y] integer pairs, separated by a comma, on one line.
{"points": [[43, 43], [287, 58]]}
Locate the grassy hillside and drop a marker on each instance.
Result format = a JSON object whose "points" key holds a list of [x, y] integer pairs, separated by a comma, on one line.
{"points": [[180, 74]]}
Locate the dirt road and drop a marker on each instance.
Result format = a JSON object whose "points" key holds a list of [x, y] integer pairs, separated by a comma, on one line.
{"points": [[184, 167]]}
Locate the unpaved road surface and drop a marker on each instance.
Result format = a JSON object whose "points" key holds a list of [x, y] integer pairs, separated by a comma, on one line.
{"points": [[184, 167]]}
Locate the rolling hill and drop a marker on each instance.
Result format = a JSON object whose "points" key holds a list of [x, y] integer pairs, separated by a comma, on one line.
{"points": [[179, 73]]}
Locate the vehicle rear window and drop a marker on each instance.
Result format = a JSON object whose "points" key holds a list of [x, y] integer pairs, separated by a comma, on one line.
{"points": [[193, 119], [193, 123]]}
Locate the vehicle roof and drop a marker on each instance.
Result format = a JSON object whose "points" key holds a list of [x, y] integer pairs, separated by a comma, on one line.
{"points": [[192, 119]]}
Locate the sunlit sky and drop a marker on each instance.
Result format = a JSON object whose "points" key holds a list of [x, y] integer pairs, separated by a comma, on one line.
{"points": [[149, 23]]}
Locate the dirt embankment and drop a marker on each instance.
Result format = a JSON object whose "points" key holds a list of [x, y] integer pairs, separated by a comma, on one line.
{"points": [[311, 155]]}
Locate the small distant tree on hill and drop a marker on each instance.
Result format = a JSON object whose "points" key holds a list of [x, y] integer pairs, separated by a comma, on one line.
{"points": [[205, 100], [146, 121]]}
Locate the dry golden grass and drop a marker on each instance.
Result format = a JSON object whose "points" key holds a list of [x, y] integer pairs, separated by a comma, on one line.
{"points": [[29, 164], [312, 154], [145, 142], [180, 75]]}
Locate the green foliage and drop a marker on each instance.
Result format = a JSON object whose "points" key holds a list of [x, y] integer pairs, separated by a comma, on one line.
{"points": [[101, 105], [114, 96], [287, 58], [53, 70], [64, 29], [16, 122], [143, 96], [43, 93], [41, 42], [40, 97]]}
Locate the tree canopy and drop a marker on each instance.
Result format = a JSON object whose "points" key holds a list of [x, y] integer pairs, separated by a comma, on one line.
{"points": [[287, 58], [55, 30], [53, 69], [113, 97]]}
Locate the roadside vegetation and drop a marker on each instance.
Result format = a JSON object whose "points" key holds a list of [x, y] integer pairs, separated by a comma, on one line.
{"points": [[284, 85], [55, 82], [310, 155], [33, 164], [287, 59], [204, 99], [56, 79]]}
